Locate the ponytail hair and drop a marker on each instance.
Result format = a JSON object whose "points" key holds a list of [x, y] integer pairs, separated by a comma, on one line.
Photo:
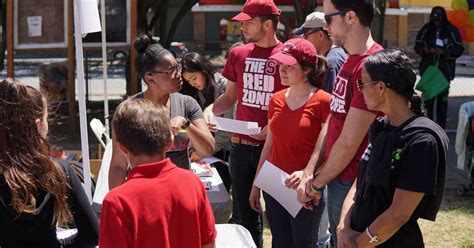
{"points": [[416, 105], [317, 72], [149, 54]]}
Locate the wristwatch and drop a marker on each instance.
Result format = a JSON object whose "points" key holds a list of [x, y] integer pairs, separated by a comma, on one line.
{"points": [[186, 124], [373, 238]]}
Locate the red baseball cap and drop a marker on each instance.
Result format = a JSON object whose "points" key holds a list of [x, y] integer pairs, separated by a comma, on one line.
{"points": [[253, 8], [295, 51]]}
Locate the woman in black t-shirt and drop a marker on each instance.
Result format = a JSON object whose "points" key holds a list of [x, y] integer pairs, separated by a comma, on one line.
{"points": [[402, 172], [36, 194]]}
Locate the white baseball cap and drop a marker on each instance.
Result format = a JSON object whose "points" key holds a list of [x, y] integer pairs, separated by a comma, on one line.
{"points": [[313, 20]]}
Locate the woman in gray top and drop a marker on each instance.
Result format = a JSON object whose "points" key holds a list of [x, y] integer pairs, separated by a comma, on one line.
{"points": [[204, 83], [162, 74]]}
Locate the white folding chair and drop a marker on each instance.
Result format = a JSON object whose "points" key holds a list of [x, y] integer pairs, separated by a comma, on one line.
{"points": [[102, 186], [99, 130]]}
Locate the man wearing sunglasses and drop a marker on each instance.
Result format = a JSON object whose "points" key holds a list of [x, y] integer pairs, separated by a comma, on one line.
{"points": [[313, 31], [252, 80], [348, 25]]}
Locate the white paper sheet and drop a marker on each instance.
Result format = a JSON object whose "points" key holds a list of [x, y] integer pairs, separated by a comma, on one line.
{"points": [[209, 160], [34, 26], [62, 233], [89, 16], [271, 179], [212, 183], [235, 126]]}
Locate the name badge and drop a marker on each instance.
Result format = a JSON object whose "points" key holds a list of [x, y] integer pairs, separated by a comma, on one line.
{"points": [[439, 42]]}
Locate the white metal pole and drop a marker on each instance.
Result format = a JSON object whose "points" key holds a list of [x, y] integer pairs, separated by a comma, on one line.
{"points": [[104, 65], [82, 101]]}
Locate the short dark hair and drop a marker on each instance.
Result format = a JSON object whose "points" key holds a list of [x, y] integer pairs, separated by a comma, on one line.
{"points": [[364, 9], [273, 18], [142, 126]]}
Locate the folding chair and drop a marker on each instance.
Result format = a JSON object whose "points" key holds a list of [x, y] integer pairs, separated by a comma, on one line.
{"points": [[99, 130]]}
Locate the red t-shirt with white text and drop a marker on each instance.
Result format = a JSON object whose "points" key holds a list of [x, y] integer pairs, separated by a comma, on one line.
{"points": [[345, 95], [256, 78]]}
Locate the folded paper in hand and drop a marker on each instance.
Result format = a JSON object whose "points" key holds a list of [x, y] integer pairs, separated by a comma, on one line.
{"points": [[271, 179], [235, 126]]}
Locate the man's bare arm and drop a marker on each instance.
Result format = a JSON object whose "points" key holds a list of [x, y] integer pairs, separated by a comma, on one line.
{"points": [[317, 157], [355, 128], [227, 100]]}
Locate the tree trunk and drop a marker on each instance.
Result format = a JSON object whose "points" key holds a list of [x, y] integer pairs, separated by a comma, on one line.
{"points": [[163, 11], [300, 17], [302, 11], [310, 6], [3, 47], [379, 21], [185, 8]]}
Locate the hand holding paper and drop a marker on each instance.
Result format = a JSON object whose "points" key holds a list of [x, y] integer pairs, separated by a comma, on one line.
{"points": [[271, 179], [235, 126]]}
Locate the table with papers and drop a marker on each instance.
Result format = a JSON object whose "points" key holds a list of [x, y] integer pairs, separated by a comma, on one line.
{"points": [[216, 191], [218, 196]]}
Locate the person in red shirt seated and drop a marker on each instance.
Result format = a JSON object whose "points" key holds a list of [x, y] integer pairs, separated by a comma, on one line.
{"points": [[159, 205]]}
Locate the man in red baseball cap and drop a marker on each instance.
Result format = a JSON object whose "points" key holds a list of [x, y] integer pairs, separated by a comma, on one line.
{"points": [[252, 80], [256, 8]]}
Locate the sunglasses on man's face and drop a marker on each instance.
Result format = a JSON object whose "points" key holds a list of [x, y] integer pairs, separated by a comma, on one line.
{"points": [[312, 31], [329, 17]]}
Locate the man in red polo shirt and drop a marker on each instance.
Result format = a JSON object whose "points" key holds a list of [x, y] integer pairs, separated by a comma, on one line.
{"points": [[160, 205], [252, 80]]}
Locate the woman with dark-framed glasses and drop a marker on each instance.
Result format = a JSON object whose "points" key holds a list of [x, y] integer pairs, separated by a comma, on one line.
{"points": [[402, 172], [162, 75]]}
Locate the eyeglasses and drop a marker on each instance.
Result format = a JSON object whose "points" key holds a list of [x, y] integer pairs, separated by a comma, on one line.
{"points": [[361, 85], [173, 72], [312, 31], [328, 17]]}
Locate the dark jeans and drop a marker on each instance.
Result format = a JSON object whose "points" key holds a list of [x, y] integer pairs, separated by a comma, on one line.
{"points": [[288, 232], [243, 166], [437, 109], [337, 192]]}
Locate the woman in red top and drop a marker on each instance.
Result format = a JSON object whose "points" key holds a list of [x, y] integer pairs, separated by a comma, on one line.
{"points": [[296, 116]]}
